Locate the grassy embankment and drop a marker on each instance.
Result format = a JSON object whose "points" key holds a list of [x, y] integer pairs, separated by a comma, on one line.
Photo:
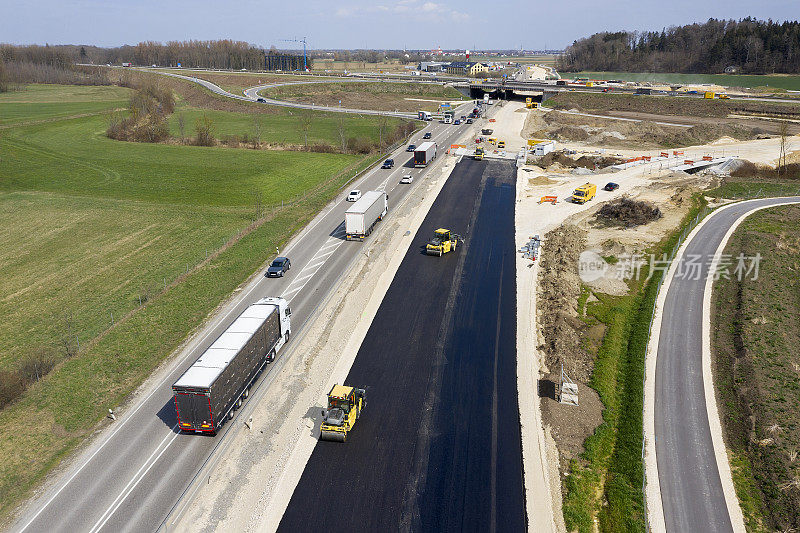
{"points": [[90, 225], [757, 369], [670, 105], [728, 80], [237, 82], [387, 96], [605, 483]]}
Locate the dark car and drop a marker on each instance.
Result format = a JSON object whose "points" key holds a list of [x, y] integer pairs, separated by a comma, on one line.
{"points": [[389, 163], [278, 268], [262, 100], [469, 121], [611, 186], [457, 122], [411, 147], [427, 135]]}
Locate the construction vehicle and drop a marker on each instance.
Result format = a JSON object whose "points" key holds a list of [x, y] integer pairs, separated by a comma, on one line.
{"points": [[492, 140], [478, 153], [443, 241], [724, 96], [344, 408], [708, 94], [501, 144], [584, 193], [529, 102]]}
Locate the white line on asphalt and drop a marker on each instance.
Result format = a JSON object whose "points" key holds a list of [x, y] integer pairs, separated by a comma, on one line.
{"points": [[318, 264], [304, 277], [134, 481]]}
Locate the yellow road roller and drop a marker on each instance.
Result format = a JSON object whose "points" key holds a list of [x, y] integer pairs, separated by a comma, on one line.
{"points": [[344, 408], [443, 241]]}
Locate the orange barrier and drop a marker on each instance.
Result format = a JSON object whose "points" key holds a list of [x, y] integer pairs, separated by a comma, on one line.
{"points": [[688, 162], [457, 146], [664, 154], [677, 152], [707, 158], [492, 120], [550, 199]]}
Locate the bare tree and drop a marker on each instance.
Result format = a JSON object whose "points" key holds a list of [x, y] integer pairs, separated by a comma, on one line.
{"points": [[258, 207], [305, 126], [342, 132], [182, 126], [256, 138], [783, 131], [381, 130]]}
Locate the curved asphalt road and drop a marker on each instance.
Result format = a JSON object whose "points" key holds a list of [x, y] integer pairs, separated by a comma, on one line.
{"points": [[691, 489], [251, 95]]}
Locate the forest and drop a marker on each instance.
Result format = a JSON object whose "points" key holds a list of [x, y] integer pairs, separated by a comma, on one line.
{"points": [[747, 46]]}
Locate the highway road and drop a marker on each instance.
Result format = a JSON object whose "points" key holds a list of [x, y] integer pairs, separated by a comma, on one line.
{"points": [[438, 447], [130, 477], [691, 488]]}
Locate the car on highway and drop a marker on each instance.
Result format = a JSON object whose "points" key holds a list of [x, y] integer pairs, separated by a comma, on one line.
{"points": [[411, 147], [469, 121], [354, 195], [278, 267], [427, 135], [611, 186], [262, 100], [457, 122], [407, 178], [389, 163]]}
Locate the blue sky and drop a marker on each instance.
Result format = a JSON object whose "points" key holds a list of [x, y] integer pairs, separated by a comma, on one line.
{"points": [[415, 24]]}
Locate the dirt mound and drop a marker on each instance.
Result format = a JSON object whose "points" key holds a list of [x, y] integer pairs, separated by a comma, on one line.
{"points": [[559, 289], [569, 133], [629, 212], [584, 161], [749, 169]]}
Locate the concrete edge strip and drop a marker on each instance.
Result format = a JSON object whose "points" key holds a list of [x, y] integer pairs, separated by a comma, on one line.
{"points": [[720, 450], [655, 509], [539, 511], [295, 465]]}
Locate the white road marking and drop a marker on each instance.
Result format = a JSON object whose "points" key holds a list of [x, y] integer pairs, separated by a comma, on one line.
{"points": [[134, 481]]}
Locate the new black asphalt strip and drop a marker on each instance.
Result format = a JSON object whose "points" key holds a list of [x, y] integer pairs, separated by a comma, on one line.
{"points": [[438, 446]]}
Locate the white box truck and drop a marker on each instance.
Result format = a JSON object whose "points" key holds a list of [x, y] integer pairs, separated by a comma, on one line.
{"points": [[424, 154], [362, 216]]}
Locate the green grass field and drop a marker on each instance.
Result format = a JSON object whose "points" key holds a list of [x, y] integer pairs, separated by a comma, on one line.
{"points": [[282, 128], [727, 80], [42, 102], [89, 225]]}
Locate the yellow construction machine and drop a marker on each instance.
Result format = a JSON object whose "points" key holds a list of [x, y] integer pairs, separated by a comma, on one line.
{"points": [[443, 241], [344, 408]]}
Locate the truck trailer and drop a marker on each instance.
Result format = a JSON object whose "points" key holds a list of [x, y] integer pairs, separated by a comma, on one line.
{"points": [[424, 154], [362, 216], [214, 386]]}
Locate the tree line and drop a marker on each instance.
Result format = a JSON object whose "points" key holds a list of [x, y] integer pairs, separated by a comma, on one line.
{"points": [[750, 46]]}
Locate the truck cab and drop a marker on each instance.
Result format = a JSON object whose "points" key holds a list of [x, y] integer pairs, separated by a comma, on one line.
{"points": [[584, 193]]}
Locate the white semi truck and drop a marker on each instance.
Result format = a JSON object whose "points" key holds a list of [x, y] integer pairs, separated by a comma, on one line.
{"points": [[362, 216], [216, 384]]}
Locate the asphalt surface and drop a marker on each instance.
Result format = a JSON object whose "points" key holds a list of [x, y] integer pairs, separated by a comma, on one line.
{"points": [[438, 447], [691, 490], [251, 94], [133, 474]]}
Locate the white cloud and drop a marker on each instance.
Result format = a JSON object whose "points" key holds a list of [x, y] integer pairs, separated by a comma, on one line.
{"points": [[414, 8]]}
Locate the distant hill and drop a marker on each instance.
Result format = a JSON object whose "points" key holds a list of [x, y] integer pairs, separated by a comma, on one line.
{"points": [[747, 46]]}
